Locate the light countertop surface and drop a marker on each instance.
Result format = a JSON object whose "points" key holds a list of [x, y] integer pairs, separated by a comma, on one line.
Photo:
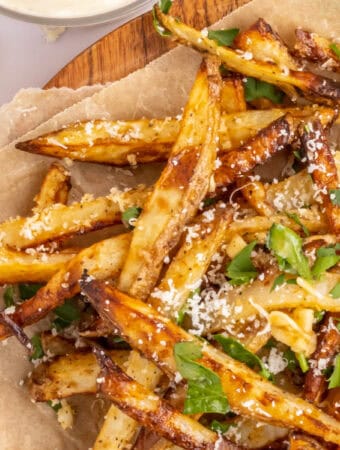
{"points": [[28, 60]]}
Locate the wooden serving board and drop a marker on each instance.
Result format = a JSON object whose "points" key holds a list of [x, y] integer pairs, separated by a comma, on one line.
{"points": [[135, 44]]}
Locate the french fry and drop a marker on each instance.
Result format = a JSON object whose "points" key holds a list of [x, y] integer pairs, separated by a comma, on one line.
{"points": [[182, 185], [323, 169], [326, 90], [328, 346], [56, 345], [54, 189], [144, 140], [265, 45], [232, 96], [58, 221], [68, 375], [316, 49], [256, 151], [248, 393], [120, 426], [31, 266], [191, 261], [103, 260], [255, 193], [150, 410], [298, 441]]}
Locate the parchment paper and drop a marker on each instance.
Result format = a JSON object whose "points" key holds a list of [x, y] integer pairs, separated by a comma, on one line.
{"points": [[158, 90]]}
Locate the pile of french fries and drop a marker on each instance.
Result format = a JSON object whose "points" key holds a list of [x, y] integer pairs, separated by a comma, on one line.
{"points": [[213, 321]]}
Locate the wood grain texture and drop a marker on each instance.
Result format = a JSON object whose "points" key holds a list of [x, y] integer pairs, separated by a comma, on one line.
{"points": [[135, 44]]}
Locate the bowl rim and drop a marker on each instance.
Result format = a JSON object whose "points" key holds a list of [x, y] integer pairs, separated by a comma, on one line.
{"points": [[116, 14]]}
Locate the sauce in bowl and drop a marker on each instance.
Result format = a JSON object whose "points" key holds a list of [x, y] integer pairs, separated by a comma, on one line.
{"points": [[64, 9]]}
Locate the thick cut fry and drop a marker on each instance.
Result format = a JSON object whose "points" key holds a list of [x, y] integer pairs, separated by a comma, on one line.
{"points": [[154, 138], [31, 266], [248, 393], [68, 375], [256, 151], [119, 429], [180, 188], [328, 346], [150, 410], [103, 260], [232, 96], [54, 189], [202, 240], [58, 221], [324, 88], [255, 193], [265, 45], [323, 169], [316, 49]]}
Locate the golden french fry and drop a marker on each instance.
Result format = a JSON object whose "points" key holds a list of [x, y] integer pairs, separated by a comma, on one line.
{"points": [[232, 96], [68, 375], [146, 140], [323, 169], [317, 49], [153, 412], [181, 187], [326, 90], [31, 266], [251, 400], [54, 189], [103, 260], [58, 221]]}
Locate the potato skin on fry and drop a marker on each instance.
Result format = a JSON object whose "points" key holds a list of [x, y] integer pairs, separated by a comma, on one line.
{"points": [[257, 150], [247, 392]]}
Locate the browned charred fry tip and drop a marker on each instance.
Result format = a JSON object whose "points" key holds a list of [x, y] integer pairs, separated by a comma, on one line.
{"points": [[272, 139], [328, 346], [16, 331], [298, 441], [322, 168]]}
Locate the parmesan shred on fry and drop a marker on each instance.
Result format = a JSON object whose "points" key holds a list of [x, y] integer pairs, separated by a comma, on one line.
{"points": [[202, 310]]}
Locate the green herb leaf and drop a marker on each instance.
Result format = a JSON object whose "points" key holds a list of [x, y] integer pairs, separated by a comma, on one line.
{"points": [[334, 380], [158, 26], [223, 37], [27, 291], [209, 201], [296, 219], [287, 247], [66, 314], [38, 351], [271, 343], [241, 269], [223, 70], [335, 49], [335, 292], [255, 89], [182, 312], [289, 356], [130, 215], [9, 296], [303, 362], [236, 350], [54, 404], [297, 155], [165, 5], [220, 427], [279, 280], [205, 393], [334, 195], [319, 315], [326, 257]]}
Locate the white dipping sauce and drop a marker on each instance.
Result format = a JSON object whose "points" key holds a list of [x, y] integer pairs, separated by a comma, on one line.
{"points": [[64, 8]]}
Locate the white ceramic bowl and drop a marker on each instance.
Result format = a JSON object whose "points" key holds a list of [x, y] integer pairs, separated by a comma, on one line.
{"points": [[58, 18]]}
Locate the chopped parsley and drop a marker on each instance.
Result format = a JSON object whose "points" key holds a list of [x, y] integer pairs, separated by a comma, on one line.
{"points": [[220, 427], [335, 292], [223, 37], [326, 257], [335, 49], [334, 380], [165, 5], [241, 269], [38, 351], [158, 26], [130, 215], [205, 393], [66, 314], [287, 247], [297, 220], [334, 195], [9, 296], [237, 351], [303, 362], [55, 405], [27, 291], [255, 89]]}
